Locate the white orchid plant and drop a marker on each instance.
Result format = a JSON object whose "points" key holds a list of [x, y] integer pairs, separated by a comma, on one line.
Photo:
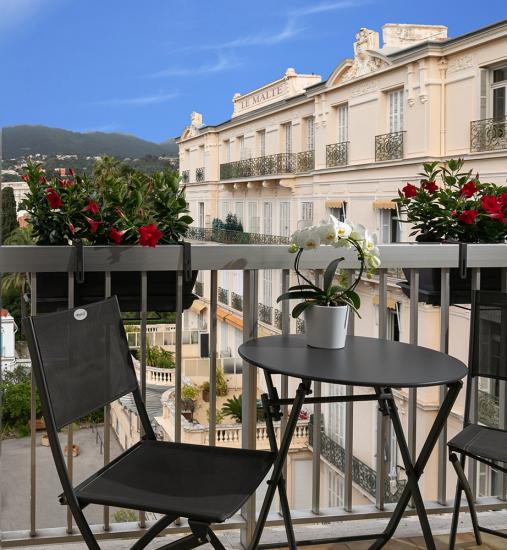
{"points": [[340, 235]]}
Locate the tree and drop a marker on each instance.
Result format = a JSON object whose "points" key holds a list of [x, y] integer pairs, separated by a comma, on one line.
{"points": [[8, 213]]}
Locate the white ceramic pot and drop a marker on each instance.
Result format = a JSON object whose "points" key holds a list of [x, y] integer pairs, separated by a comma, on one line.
{"points": [[326, 326]]}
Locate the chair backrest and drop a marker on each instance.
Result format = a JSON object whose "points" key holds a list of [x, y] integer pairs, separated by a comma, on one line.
{"points": [[488, 335], [81, 360]]}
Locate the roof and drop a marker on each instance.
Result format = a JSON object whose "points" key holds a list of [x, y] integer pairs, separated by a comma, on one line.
{"points": [[153, 401]]}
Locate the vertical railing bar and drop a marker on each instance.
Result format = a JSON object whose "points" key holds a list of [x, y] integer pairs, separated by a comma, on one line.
{"points": [[474, 412], [143, 329], [444, 348], [317, 434], [284, 380], [349, 424], [381, 419], [249, 393], [503, 401], [70, 429], [33, 419], [107, 416], [413, 339], [178, 359], [213, 358]]}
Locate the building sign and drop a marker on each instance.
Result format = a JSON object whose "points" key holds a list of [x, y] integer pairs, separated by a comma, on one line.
{"points": [[259, 98]]}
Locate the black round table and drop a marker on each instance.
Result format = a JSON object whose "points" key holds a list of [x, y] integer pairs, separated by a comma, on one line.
{"points": [[367, 362]]}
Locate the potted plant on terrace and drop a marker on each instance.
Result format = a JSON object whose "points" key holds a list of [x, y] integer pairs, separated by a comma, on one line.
{"points": [[327, 306], [121, 207], [450, 205]]}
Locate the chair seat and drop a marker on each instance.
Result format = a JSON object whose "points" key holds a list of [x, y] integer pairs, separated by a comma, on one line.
{"points": [[481, 441], [194, 481]]}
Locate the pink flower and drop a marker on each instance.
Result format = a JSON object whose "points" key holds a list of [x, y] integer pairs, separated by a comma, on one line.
{"points": [[54, 199], [66, 183], [149, 235], [409, 191], [71, 172], [94, 225], [71, 228], [42, 179], [468, 216], [116, 235]]}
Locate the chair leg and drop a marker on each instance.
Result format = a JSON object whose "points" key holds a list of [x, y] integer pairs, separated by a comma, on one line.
{"points": [[186, 543], [153, 532], [217, 545], [463, 482]]}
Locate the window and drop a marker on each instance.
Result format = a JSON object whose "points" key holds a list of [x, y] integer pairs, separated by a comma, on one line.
{"points": [[339, 213], [238, 210], [393, 323], [284, 219], [261, 143], [253, 220], [268, 218], [241, 146], [224, 210], [310, 133], [227, 145], [288, 137], [335, 489], [396, 111], [238, 282], [307, 213], [499, 87], [267, 286], [223, 340], [342, 119], [336, 416], [201, 214], [388, 225]]}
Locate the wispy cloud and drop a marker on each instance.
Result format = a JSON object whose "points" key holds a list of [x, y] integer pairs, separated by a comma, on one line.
{"points": [[138, 101], [223, 63], [313, 9], [14, 12]]}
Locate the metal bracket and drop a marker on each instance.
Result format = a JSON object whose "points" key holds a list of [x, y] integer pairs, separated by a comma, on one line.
{"points": [[462, 260], [80, 276]]}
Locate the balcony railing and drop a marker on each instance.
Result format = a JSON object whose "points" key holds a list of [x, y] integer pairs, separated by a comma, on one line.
{"points": [[200, 174], [305, 161], [233, 237], [185, 176], [489, 134], [269, 165], [265, 314], [32, 526], [278, 319], [389, 146], [337, 154], [237, 301]]}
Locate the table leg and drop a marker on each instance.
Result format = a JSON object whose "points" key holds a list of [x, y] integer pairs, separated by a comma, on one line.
{"points": [[414, 471], [277, 481]]}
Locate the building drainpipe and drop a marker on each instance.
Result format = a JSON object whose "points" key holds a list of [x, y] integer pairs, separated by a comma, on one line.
{"points": [[443, 74]]}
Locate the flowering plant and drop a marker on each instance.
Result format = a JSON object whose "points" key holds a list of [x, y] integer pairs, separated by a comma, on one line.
{"points": [[451, 204], [340, 235], [123, 207]]}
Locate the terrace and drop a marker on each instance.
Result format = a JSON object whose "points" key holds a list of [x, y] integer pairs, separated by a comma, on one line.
{"points": [[316, 518]]}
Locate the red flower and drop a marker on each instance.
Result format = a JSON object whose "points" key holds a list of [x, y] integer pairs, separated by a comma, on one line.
{"points": [[42, 179], [500, 216], [503, 199], [409, 191], [453, 213], [490, 204], [468, 189], [65, 183], [54, 198], [468, 216], [24, 177], [71, 227], [116, 235], [149, 235], [94, 225], [430, 186], [71, 172], [92, 207]]}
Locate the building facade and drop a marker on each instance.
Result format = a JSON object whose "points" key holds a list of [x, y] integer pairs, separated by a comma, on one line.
{"points": [[301, 148]]}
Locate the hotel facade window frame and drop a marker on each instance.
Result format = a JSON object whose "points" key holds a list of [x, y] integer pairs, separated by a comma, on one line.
{"points": [[342, 123], [284, 208], [287, 133], [498, 93], [239, 211], [306, 213], [396, 110], [267, 215], [261, 143], [310, 133]]}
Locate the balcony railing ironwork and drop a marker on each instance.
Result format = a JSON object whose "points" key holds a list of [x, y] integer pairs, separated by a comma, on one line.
{"points": [[199, 174], [237, 301], [305, 161], [300, 326], [489, 134], [278, 319], [233, 237], [223, 295], [337, 154], [268, 165], [199, 288], [389, 146], [185, 176], [265, 314], [252, 259]]}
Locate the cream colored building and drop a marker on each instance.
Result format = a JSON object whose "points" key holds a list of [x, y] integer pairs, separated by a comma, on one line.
{"points": [[300, 148]]}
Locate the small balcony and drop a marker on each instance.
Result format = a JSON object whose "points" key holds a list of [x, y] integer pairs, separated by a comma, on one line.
{"points": [[225, 236], [199, 288], [185, 176], [223, 296], [200, 175], [489, 134], [265, 314], [337, 154], [268, 165], [305, 161], [237, 301], [389, 146]]}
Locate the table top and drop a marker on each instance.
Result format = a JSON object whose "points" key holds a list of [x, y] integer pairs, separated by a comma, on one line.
{"points": [[362, 362]]}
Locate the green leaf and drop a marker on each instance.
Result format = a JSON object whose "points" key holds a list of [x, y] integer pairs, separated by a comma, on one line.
{"points": [[299, 308], [297, 295], [330, 271]]}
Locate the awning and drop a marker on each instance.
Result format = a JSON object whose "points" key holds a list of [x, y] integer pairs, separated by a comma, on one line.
{"points": [[229, 318], [334, 203], [391, 303], [198, 306], [384, 204]]}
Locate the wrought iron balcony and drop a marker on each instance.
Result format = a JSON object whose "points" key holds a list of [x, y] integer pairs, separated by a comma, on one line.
{"points": [[337, 154], [305, 161], [223, 295], [199, 288], [488, 409], [389, 146], [265, 314], [233, 237], [489, 134], [237, 301], [278, 319], [200, 174], [269, 165], [185, 176], [300, 326]]}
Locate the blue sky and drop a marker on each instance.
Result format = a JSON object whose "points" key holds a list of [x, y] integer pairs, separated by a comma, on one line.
{"points": [[141, 66]]}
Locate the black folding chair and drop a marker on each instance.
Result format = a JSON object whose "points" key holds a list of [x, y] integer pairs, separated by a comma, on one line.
{"points": [[487, 358], [82, 362]]}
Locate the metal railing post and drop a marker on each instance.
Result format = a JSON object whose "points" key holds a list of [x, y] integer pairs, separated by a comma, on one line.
{"points": [[413, 339], [213, 358]]}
